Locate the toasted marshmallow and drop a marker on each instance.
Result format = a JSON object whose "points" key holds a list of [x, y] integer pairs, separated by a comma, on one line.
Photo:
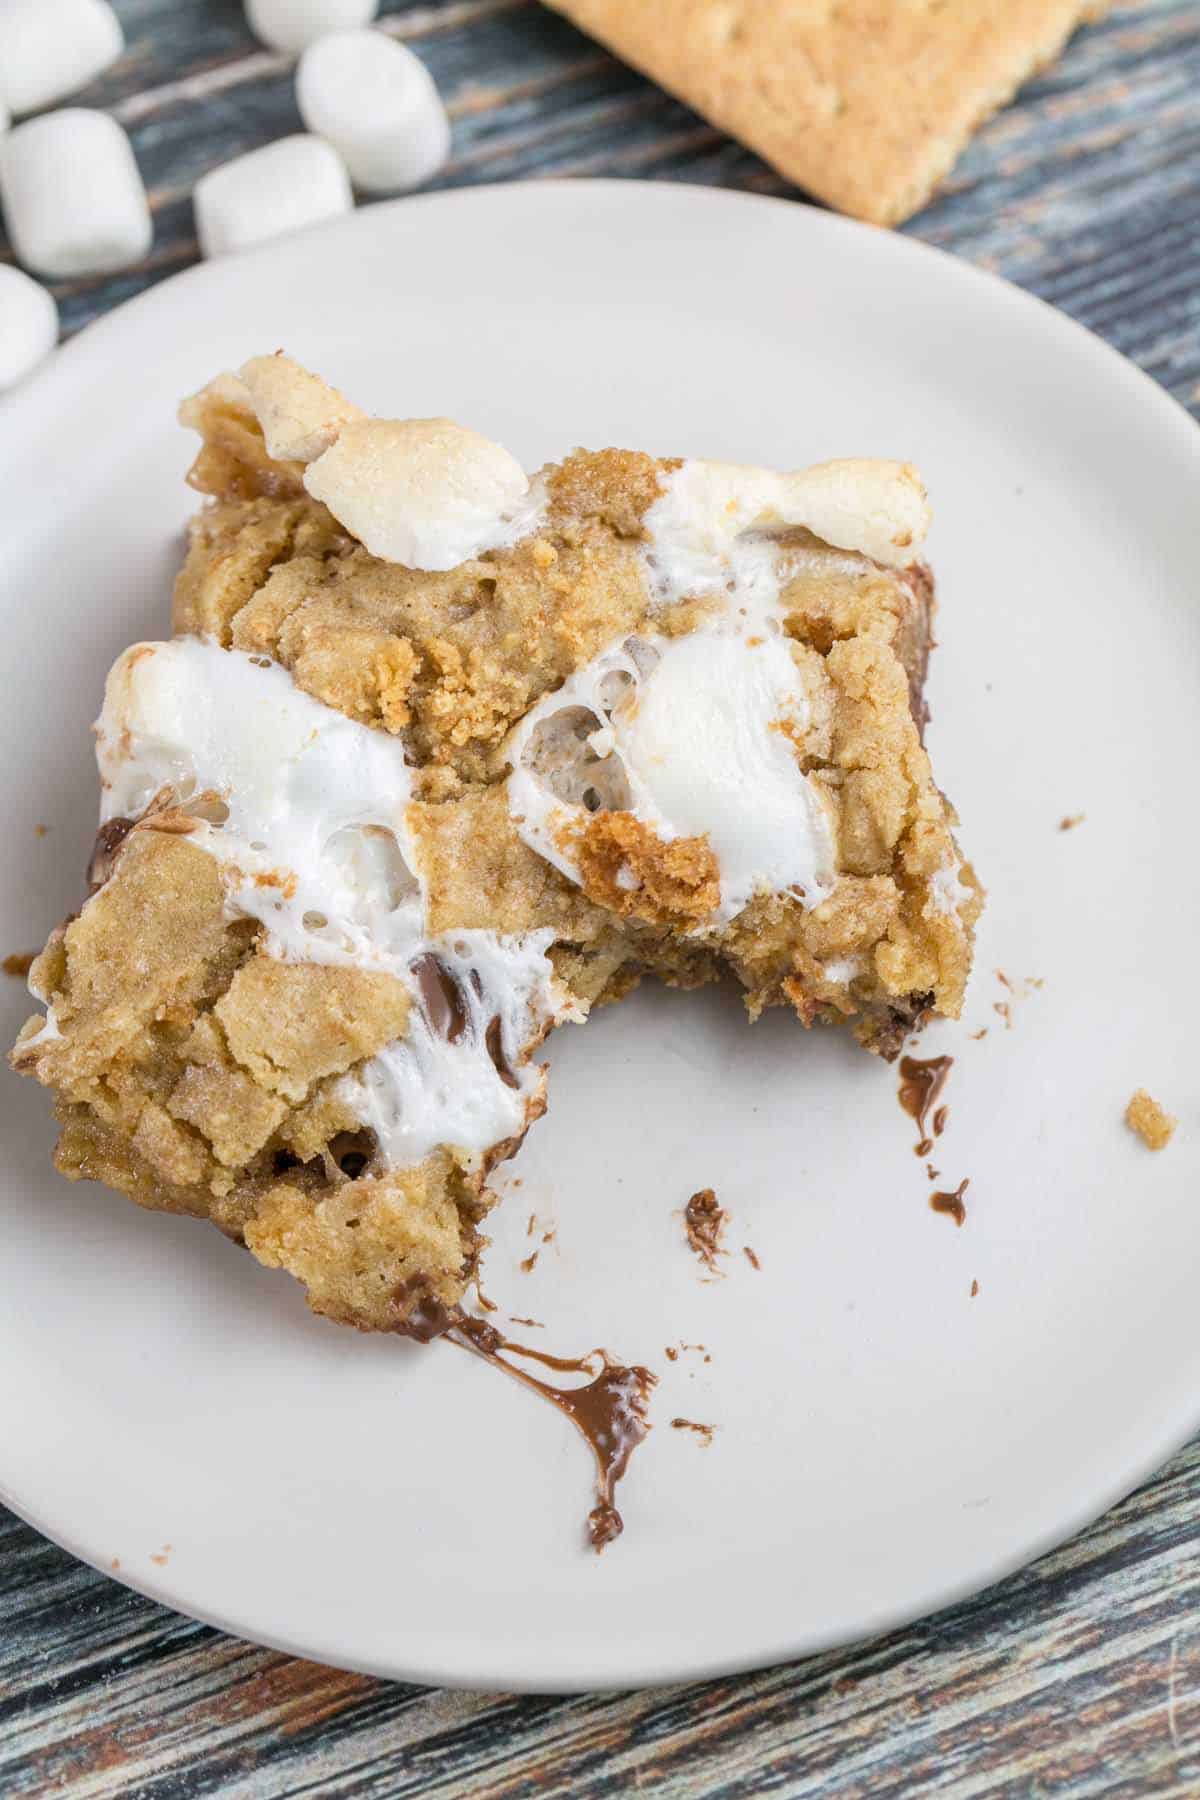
{"points": [[710, 531], [226, 389], [306, 810], [300, 414], [878, 508], [425, 493], [697, 737]]}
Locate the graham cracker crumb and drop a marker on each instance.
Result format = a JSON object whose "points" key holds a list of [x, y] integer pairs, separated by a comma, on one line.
{"points": [[1071, 821], [1152, 1122]]}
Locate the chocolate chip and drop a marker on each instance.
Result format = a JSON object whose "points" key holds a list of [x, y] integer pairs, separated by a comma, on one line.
{"points": [[109, 839], [441, 997]]}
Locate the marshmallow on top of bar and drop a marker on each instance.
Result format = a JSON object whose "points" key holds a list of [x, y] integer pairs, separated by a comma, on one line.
{"points": [[698, 736]]}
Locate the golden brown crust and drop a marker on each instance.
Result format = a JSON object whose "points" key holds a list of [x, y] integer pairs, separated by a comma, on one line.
{"points": [[866, 104], [625, 867]]}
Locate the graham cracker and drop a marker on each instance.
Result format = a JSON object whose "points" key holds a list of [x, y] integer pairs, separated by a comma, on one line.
{"points": [[865, 103]]}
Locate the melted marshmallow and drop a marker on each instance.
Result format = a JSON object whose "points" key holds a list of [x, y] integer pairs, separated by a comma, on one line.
{"points": [[948, 893], [314, 844], [691, 735], [425, 1089]]}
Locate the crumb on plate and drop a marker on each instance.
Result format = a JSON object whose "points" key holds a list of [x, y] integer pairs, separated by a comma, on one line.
{"points": [[1152, 1122]]}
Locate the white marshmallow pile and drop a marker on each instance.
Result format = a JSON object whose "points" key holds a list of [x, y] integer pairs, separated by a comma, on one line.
{"points": [[378, 105], [73, 197], [290, 25], [293, 182], [49, 48], [28, 325]]}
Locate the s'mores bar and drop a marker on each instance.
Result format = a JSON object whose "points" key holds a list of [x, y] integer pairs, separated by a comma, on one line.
{"points": [[440, 756]]}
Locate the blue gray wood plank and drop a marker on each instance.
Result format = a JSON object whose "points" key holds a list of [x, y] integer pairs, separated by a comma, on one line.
{"points": [[1079, 1677]]}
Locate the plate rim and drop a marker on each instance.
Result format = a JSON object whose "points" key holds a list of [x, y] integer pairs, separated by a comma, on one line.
{"points": [[1075, 338]]}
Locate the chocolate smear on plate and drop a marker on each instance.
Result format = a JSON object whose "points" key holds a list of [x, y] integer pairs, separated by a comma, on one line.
{"points": [[953, 1205], [921, 1083], [704, 1220], [608, 1410]]}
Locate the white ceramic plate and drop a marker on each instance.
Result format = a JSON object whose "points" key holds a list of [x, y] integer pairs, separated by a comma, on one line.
{"points": [[885, 1443]]}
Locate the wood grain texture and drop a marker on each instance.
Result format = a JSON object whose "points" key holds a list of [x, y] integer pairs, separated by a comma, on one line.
{"points": [[1079, 1677]]}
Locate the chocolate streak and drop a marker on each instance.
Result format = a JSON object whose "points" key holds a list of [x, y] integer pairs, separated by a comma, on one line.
{"points": [[704, 1220], [609, 1411], [952, 1204], [921, 1084]]}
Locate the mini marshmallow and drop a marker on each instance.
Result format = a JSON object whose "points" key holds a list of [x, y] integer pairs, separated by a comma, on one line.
{"points": [[300, 414], [379, 105], [73, 197], [291, 25], [49, 48], [28, 325], [426, 493], [293, 182]]}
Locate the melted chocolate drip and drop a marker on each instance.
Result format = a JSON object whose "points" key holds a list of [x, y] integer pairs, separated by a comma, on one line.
{"points": [[441, 997], [704, 1220], [921, 1084], [609, 1410], [952, 1204], [109, 838], [426, 1317]]}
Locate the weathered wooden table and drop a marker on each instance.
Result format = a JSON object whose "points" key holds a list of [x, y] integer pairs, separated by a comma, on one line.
{"points": [[1079, 1677]]}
